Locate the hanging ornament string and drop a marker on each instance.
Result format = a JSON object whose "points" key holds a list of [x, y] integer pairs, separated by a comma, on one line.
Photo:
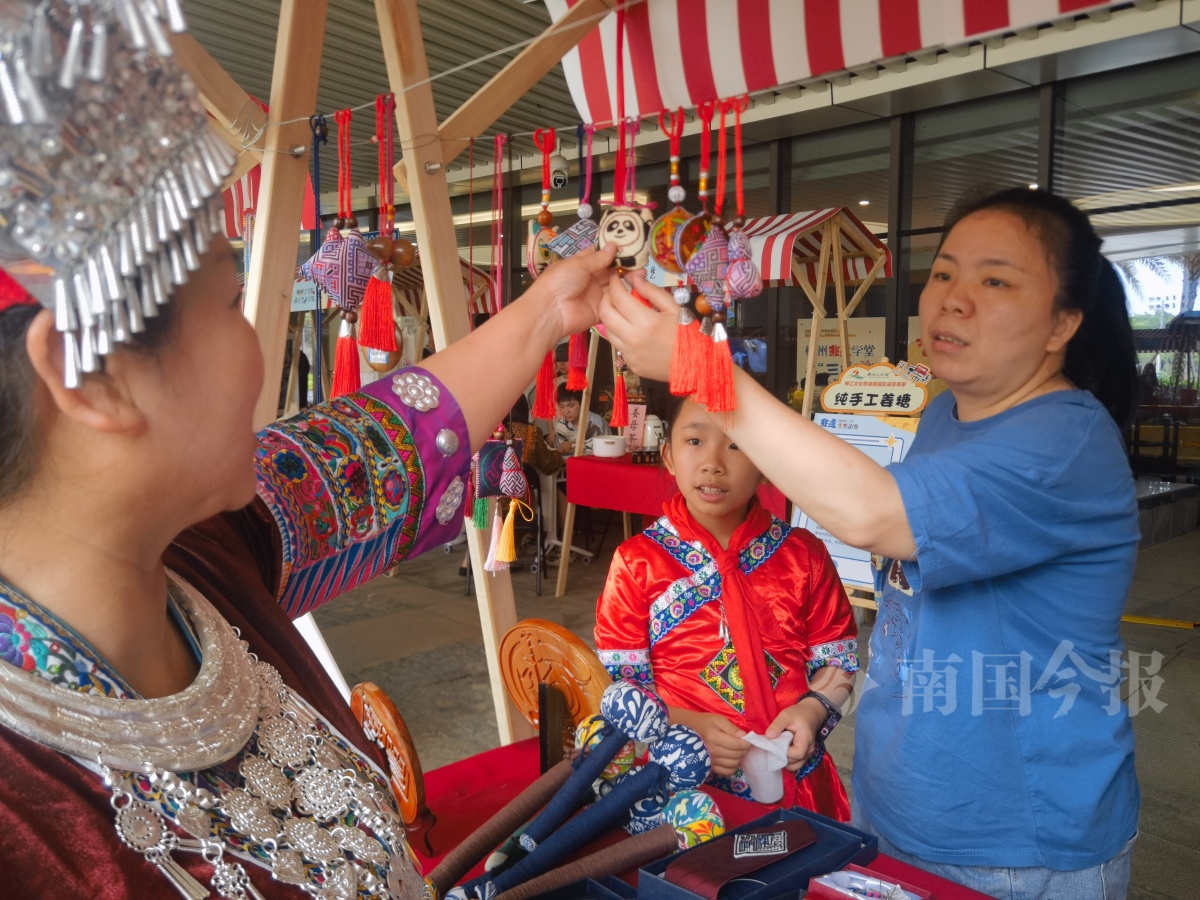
{"points": [[342, 117], [722, 149], [471, 222], [671, 124], [619, 174], [497, 267], [740, 105], [545, 140], [585, 165], [385, 109], [320, 135], [705, 111], [630, 190]]}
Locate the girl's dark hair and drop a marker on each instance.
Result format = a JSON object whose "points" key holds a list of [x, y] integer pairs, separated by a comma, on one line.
{"points": [[1100, 357], [18, 430], [671, 414]]}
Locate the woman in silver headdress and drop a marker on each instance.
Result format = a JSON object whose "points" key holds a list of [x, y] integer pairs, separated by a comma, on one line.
{"points": [[164, 729]]}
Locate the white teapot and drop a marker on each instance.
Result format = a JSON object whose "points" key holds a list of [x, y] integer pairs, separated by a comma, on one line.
{"points": [[653, 433]]}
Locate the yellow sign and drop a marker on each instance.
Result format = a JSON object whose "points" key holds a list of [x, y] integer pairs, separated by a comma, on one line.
{"points": [[881, 390]]}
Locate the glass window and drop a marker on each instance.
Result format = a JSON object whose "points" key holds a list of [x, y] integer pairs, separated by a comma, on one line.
{"points": [[969, 147]]}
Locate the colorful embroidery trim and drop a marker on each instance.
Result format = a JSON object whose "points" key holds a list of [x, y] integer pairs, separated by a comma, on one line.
{"points": [[630, 665], [336, 478], [724, 676], [839, 654]]}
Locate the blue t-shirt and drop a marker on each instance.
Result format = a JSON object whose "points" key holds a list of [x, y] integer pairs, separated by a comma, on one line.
{"points": [[991, 729]]}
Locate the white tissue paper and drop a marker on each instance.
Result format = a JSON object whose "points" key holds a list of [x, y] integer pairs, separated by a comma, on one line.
{"points": [[763, 765]]}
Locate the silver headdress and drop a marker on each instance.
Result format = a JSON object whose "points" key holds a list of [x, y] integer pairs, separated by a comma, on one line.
{"points": [[110, 175]]}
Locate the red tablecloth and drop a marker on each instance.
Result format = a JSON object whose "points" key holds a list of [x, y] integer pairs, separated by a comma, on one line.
{"points": [[464, 794], [642, 489]]}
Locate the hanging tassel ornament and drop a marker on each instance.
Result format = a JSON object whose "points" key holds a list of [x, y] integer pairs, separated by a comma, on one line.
{"points": [[377, 323], [691, 355], [582, 235], [545, 402], [666, 226], [346, 376], [542, 231], [620, 412], [577, 356], [493, 563]]}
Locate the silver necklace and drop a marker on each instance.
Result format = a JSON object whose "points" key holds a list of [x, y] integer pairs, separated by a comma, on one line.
{"points": [[301, 801]]}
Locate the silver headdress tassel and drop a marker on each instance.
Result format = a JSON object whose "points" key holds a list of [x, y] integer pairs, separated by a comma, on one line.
{"points": [[110, 175]]}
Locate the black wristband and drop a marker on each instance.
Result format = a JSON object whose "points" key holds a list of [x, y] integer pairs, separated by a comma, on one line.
{"points": [[832, 717]]}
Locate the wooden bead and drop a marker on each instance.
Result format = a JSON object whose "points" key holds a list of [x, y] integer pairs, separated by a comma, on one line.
{"points": [[718, 317], [381, 247], [402, 255], [739, 221], [702, 306], [350, 316], [339, 223], [545, 218], [352, 221]]}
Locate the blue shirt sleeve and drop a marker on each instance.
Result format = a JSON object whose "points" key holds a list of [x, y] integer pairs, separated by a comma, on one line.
{"points": [[1039, 484]]}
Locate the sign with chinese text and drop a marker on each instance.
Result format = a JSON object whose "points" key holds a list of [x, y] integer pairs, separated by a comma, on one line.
{"points": [[636, 426], [885, 441], [864, 338], [879, 390], [305, 296]]}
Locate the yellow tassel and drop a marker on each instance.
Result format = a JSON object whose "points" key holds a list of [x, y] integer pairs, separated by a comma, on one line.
{"points": [[507, 549]]}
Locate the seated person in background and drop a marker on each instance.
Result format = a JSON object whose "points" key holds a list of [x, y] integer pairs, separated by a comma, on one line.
{"points": [[737, 620], [566, 426]]}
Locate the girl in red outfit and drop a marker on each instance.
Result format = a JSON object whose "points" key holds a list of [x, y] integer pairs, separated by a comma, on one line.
{"points": [[737, 620]]}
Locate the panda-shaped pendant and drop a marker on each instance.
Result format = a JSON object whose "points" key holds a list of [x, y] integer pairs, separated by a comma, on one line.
{"points": [[628, 229]]}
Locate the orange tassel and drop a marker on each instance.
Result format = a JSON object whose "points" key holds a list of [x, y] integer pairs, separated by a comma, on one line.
{"points": [[620, 413], [577, 363], [545, 398], [346, 375], [687, 357], [377, 327], [719, 395]]}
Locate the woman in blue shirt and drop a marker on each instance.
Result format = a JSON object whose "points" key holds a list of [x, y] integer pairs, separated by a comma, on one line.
{"points": [[992, 745]]}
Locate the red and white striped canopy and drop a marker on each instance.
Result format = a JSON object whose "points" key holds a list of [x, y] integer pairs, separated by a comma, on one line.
{"points": [[681, 53], [776, 240], [242, 196]]}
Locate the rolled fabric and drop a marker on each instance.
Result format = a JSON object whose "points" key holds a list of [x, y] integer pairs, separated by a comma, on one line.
{"points": [[487, 836], [630, 711], [595, 820], [628, 854], [695, 817]]}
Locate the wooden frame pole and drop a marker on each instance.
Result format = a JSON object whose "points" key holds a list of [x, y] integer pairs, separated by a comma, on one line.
{"points": [[281, 190], [564, 560], [416, 121]]}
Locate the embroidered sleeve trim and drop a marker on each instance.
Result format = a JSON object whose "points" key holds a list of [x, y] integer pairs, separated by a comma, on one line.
{"points": [[628, 664], [839, 654], [348, 487]]}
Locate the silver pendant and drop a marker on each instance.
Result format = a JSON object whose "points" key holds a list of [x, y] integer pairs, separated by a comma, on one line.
{"points": [[267, 782], [143, 829]]}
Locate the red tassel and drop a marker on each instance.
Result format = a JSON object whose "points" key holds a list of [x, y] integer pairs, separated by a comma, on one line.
{"points": [[346, 375], [376, 326], [577, 363], [620, 413], [545, 399], [720, 396], [687, 358]]}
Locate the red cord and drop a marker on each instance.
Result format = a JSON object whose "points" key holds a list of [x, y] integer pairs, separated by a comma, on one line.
{"points": [[342, 118], [544, 140], [385, 106], [671, 124], [705, 111], [739, 106], [719, 207], [619, 174]]}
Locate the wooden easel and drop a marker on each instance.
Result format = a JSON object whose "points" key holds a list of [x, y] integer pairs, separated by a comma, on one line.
{"points": [[293, 96]]}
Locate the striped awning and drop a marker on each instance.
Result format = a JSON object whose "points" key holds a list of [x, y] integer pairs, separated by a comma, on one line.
{"points": [[777, 241], [680, 53], [242, 197]]}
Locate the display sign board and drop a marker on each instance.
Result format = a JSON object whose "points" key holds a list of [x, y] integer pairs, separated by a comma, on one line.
{"points": [[879, 390], [305, 296], [864, 337], [885, 441], [636, 426]]}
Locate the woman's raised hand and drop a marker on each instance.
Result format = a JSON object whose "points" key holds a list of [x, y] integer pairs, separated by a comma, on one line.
{"points": [[644, 335], [571, 290]]}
